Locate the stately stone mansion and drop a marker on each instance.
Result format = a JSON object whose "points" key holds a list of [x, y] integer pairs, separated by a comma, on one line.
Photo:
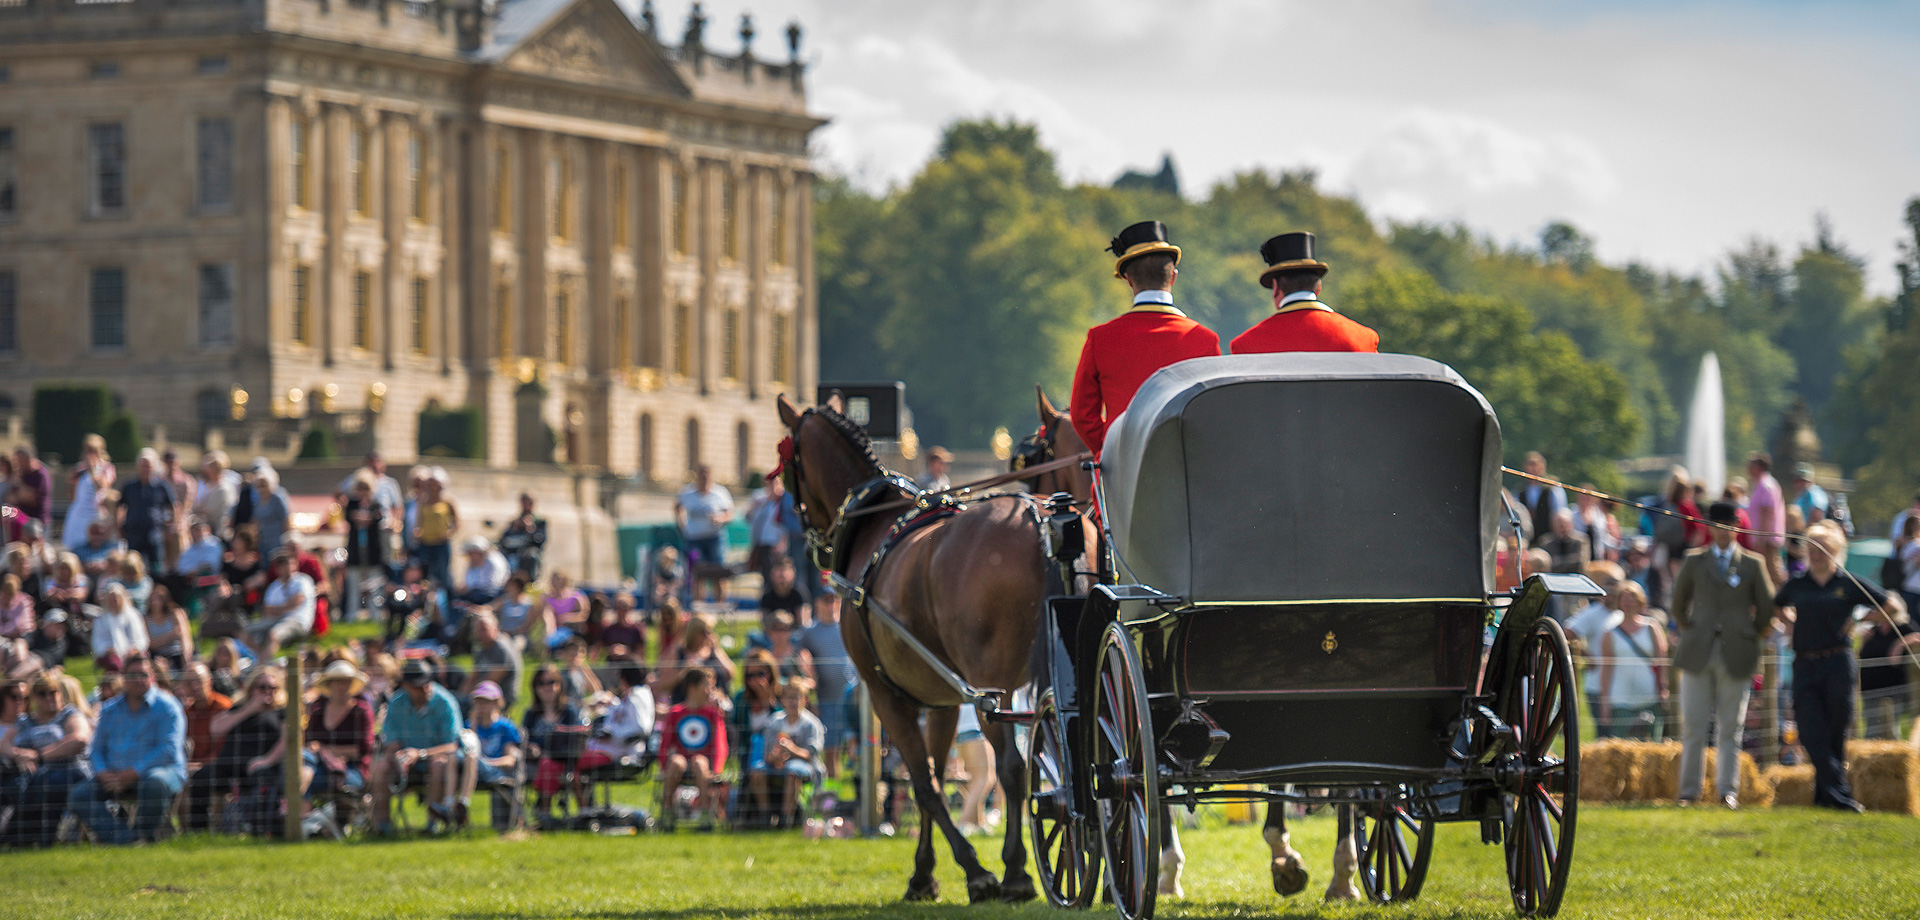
{"points": [[246, 212]]}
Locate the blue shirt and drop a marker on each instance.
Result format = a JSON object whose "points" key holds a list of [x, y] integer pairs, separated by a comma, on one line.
{"points": [[151, 740], [437, 724], [494, 738]]}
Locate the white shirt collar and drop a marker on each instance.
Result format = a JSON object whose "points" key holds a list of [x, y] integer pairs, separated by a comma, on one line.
{"points": [[1154, 296], [1298, 296]]}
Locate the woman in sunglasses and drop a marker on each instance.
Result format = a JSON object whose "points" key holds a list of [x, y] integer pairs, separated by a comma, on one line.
{"points": [[755, 709], [46, 745], [549, 711]]}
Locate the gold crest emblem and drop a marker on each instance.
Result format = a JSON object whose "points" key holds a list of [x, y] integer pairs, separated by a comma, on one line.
{"points": [[1329, 643]]}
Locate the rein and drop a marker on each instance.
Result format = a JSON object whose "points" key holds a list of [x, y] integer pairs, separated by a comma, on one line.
{"points": [[961, 491]]}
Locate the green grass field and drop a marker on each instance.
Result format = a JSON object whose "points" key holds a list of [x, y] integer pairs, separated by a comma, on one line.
{"points": [[1629, 862]]}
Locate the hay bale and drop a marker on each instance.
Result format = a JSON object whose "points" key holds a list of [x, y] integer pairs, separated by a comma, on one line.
{"points": [[1885, 775], [1606, 772], [1791, 785], [1755, 790], [1658, 772]]}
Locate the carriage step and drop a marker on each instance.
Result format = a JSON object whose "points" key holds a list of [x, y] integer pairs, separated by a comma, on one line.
{"points": [[1017, 718]]}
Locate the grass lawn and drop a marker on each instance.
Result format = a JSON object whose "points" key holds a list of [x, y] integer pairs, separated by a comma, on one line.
{"points": [[1629, 862]]}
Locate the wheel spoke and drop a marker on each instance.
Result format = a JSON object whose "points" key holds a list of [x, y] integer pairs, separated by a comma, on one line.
{"points": [[1549, 847], [1553, 807]]}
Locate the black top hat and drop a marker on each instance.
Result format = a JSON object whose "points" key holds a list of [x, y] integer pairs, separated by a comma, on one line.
{"points": [[1289, 252], [1723, 513], [1143, 238]]}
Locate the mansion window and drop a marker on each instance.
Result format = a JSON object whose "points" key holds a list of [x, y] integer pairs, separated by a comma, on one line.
{"points": [[683, 340], [299, 163], [562, 327], [300, 301], [560, 197], [777, 220], [215, 165], [107, 308], [420, 316], [107, 166], [503, 320], [742, 451], [502, 189], [211, 65], [646, 447], [9, 313], [622, 331], [359, 182], [622, 207], [730, 345], [677, 212], [777, 343], [729, 221], [9, 177], [693, 444], [417, 175], [362, 310], [216, 305]]}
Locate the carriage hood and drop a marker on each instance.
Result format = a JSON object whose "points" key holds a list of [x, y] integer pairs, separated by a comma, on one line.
{"points": [[1305, 476]]}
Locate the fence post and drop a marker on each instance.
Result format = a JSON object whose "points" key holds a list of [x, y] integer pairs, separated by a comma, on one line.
{"points": [[871, 804], [292, 735]]}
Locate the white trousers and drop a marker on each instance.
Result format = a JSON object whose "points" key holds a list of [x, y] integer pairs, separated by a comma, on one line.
{"points": [[1715, 696]]}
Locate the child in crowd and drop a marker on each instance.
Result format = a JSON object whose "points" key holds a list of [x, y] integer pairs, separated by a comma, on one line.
{"points": [[792, 744], [693, 747], [500, 741]]}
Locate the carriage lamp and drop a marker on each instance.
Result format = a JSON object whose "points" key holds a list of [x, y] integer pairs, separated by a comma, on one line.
{"points": [[327, 395], [909, 444], [376, 396], [1002, 443], [237, 402], [296, 402]]}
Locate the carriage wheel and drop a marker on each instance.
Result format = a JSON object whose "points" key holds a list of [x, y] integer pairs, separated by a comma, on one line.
{"points": [[1394, 864], [1541, 785], [1126, 778], [1069, 865]]}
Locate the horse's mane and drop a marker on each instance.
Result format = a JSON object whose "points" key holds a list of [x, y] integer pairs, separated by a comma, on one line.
{"points": [[854, 434]]}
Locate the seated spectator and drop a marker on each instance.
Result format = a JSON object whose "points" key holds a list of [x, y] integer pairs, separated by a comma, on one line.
{"points": [[17, 562], [69, 586], [245, 572], [549, 710], [17, 660], [667, 579], [422, 742], [287, 607], [96, 553], [780, 633], [566, 610], [499, 757], [50, 643], [199, 702], [486, 573], [669, 621], [624, 730], [47, 746], [228, 661], [16, 609], [693, 748], [823, 654], [514, 611], [118, 629], [755, 708], [783, 593], [169, 636], [138, 751], [339, 732], [198, 571], [383, 681], [792, 750], [130, 571], [578, 681], [105, 690], [411, 607], [495, 658], [369, 523], [525, 539], [623, 638], [699, 649], [251, 751]]}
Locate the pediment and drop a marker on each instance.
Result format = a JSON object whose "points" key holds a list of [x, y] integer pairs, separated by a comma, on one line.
{"points": [[593, 41]]}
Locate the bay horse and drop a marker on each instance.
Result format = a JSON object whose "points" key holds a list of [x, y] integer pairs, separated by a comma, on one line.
{"points": [[1057, 438], [967, 583]]}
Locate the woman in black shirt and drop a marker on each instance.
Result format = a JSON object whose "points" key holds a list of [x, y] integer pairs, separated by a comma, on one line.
{"points": [[1820, 605]]}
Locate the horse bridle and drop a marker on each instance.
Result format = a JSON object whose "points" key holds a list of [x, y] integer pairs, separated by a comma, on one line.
{"points": [[1035, 449]]}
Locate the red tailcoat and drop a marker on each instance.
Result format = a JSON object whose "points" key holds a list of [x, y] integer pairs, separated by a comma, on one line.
{"points": [[1306, 325], [1121, 354]]}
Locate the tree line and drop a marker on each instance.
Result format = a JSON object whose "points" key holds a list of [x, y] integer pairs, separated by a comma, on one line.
{"points": [[980, 275]]}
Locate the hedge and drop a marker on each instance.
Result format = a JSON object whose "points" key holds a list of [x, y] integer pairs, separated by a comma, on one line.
{"points": [[460, 432], [317, 444], [65, 413], [123, 437]]}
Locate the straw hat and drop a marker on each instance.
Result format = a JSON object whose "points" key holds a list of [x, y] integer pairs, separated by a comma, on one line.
{"points": [[344, 670]]}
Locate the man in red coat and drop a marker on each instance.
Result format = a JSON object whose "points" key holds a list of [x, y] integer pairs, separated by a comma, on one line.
{"points": [[1300, 321], [1122, 353]]}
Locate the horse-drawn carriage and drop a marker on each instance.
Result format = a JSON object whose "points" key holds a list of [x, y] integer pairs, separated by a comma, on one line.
{"points": [[1301, 609]]}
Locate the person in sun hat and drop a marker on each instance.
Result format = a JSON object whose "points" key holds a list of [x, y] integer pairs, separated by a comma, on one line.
{"points": [[1300, 322], [1120, 354]]}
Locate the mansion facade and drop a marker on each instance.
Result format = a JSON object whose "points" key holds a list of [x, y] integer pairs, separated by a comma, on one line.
{"points": [[288, 212]]}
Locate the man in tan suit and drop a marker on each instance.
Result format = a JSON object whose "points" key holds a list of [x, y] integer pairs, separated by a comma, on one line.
{"points": [[1722, 608]]}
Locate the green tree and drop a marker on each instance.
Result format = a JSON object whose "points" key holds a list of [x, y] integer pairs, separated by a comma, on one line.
{"points": [[1878, 396], [847, 222], [1827, 312], [1549, 397]]}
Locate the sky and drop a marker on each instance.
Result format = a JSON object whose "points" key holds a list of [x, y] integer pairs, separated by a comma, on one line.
{"points": [[1671, 131]]}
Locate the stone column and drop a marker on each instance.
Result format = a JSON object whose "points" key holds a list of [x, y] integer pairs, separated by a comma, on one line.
{"points": [[258, 332], [806, 315], [332, 285], [393, 135], [535, 301]]}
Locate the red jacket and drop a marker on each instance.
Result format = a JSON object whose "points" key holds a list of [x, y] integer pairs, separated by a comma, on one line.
{"points": [[1306, 328], [1121, 354]]}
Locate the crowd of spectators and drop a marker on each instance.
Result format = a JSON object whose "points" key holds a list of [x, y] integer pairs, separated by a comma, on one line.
{"points": [[184, 593], [1703, 589]]}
